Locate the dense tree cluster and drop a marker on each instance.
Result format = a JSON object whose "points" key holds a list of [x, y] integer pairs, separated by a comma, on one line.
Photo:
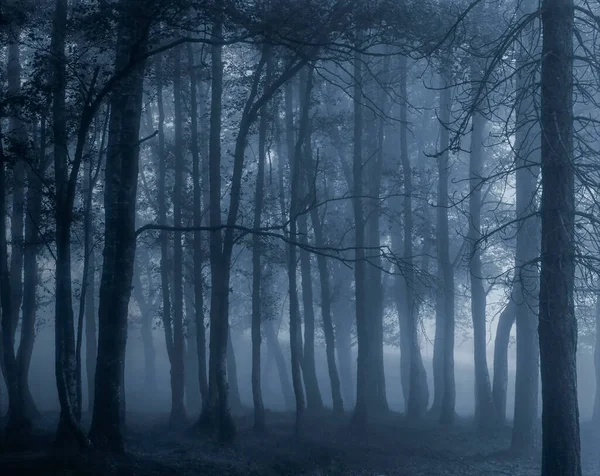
{"points": [[336, 173]]}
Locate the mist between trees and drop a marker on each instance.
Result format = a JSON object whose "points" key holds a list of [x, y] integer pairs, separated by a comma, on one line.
{"points": [[282, 233]]}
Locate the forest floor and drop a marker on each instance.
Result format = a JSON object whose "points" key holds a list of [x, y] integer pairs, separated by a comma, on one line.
{"points": [[390, 447]]}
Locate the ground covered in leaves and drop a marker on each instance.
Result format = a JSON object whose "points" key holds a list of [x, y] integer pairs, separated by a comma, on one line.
{"points": [[329, 447]]}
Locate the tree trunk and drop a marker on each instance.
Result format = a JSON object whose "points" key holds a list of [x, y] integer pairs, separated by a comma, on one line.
{"points": [[197, 244], [596, 414], [192, 385], [68, 431], [484, 404], [336, 394], [418, 400], [525, 435], [363, 379], [313, 394], [295, 209], [178, 413], [107, 429], [445, 290], [505, 323], [18, 425], [150, 386], [216, 414], [561, 453], [275, 350], [232, 376], [257, 399], [30, 277]]}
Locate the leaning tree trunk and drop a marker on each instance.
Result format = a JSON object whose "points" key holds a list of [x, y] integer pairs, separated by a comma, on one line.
{"points": [[121, 177], [561, 450]]}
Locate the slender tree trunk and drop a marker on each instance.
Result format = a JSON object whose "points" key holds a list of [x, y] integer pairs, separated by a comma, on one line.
{"points": [[445, 290], [259, 409], [122, 164], [295, 209], [197, 244], [363, 380], [499, 388], [17, 135], [275, 350], [150, 385], [484, 404], [314, 400], [596, 414], [336, 394], [91, 347], [373, 169], [178, 413], [525, 434], [418, 400], [216, 413], [17, 141], [165, 263], [343, 344], [69, 431], [192, 385], [232, 376], [18, 425], [30, 276], [561, 453]]}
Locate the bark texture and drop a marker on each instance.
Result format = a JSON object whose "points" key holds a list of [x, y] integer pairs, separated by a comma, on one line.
{"points": [[561, 450]]}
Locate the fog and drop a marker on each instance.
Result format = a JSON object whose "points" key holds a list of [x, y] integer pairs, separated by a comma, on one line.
{"points": [[299, 237]]}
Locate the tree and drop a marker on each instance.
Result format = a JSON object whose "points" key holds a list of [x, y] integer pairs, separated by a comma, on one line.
{"points": [[557, 320], [526, 286], [121, 178], [444, 308]]}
